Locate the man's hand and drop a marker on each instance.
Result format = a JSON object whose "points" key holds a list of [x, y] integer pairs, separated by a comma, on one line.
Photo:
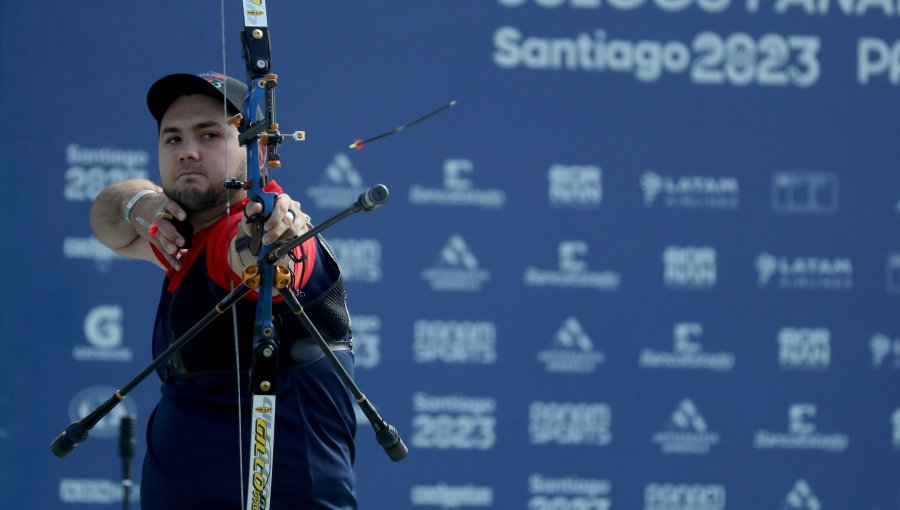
{"points": [[152, 219], [287, 220]]}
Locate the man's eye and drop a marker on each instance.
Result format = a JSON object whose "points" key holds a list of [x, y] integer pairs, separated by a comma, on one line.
{"points": [[210, 135], [173, 139]]}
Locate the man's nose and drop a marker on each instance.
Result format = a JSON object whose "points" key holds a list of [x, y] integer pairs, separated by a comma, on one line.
{"points": [[189, 152]]}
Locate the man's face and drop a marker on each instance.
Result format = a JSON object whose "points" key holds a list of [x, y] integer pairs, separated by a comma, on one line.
{"points": [[194, 145]]}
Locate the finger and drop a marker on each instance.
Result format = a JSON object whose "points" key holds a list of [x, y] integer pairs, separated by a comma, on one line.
{"points": [[175, 209], [167, 232]]}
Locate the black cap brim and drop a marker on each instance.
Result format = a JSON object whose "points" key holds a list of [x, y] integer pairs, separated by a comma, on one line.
{"points": [[169, 88]]}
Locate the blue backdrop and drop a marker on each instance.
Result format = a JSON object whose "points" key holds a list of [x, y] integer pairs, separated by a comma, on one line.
{"points": [[650, 259]]}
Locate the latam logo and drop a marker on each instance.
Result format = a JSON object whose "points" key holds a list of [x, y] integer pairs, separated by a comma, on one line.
{"points": [[686, 432], [573, 271], [804, 348], [360, 259], [103, 330], [455, 342], [671, 496], [885, 351], [339, 185], [458, 189], [801, 497], [805, 192], [690, 191], [568, 492], [570, 423], [689, 267], [452, 496], [456, 269], [572, 351], [801, 434], [577, 186], [367, 340], [687, 352], [804, 273], [82, 490]]}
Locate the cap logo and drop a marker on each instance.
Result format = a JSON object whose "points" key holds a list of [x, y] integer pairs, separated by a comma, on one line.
{"points": [[215, 79]]}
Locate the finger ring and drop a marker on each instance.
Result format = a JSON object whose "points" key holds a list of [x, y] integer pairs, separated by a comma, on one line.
{"points": [[293, 217], [165, 215]]}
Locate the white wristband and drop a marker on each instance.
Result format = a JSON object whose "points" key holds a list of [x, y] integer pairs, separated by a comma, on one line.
{"points": [[134, 200]]}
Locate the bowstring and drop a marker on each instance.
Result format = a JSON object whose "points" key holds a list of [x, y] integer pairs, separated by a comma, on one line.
{"points": [[234, 319]]}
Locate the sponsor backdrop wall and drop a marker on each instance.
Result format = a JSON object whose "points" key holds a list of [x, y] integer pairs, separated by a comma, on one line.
{"points": [[650, 259]]}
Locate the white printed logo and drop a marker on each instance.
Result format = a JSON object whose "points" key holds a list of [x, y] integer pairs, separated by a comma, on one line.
{"points": [[366, 340], [670, 496], [885, 351], [686, 432], [689, 267], [804, 348], [804, 273], [575, 185], [89, 248], [455, 342], [458, 189], [103, 330], [572, 351], [570, 423], [360, 259], [801, 434], [454, 422], [801, 497], [456, 269], [893, 273], [569, 493], [88, 399], [451, 496], [687, 353], [572, 272], [79, 490], [92, 169], [805, 192], [895, 419], [339, 186], [690, 192]]}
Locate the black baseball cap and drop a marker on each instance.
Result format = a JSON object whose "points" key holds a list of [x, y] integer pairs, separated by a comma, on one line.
{"points": [[215, 85]]}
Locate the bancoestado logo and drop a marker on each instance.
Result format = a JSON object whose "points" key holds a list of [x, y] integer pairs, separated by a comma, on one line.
{"points": [[801, 434], [690, 191], [575, 186], [454, 342], [456, 269], [885, 351], [85, 490], [454, 422], [366, 340], [804, 349], [689, 267], [805, 192], [360, 259], [686, 432], [92, 169], [451, 496], [571, 351], [458, 190], [679, 496], [687, 352], [89, 399], [801, 497], [738, 59], [339, 185], [568, 493], [573, 271], [570, 423], [804, 273], [103, 330]]}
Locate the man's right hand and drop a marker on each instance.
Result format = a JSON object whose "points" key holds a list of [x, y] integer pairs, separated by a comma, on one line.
{"points": [[152, 219]]}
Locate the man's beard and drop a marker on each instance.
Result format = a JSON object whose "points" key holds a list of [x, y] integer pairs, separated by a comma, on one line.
{"points": [[211, 197]]}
